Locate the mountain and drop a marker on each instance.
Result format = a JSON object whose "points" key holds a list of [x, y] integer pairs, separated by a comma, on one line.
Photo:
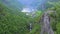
{"points": [[20, 4], [13, 4]]}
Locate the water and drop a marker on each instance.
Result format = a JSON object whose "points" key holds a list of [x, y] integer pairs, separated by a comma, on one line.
{"points": [[45, 27]]}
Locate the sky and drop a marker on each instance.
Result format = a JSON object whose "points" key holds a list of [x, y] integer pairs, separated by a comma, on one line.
{"points": [[32, 3]]}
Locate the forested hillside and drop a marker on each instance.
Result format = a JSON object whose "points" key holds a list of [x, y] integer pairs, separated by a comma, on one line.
{"points": [[14, 21], [56, 16]]}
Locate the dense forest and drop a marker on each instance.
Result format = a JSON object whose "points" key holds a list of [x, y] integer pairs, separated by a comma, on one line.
{"points": [[14, 21]]}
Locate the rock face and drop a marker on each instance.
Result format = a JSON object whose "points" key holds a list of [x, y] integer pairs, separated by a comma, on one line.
{"points": [[45, 25]]}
